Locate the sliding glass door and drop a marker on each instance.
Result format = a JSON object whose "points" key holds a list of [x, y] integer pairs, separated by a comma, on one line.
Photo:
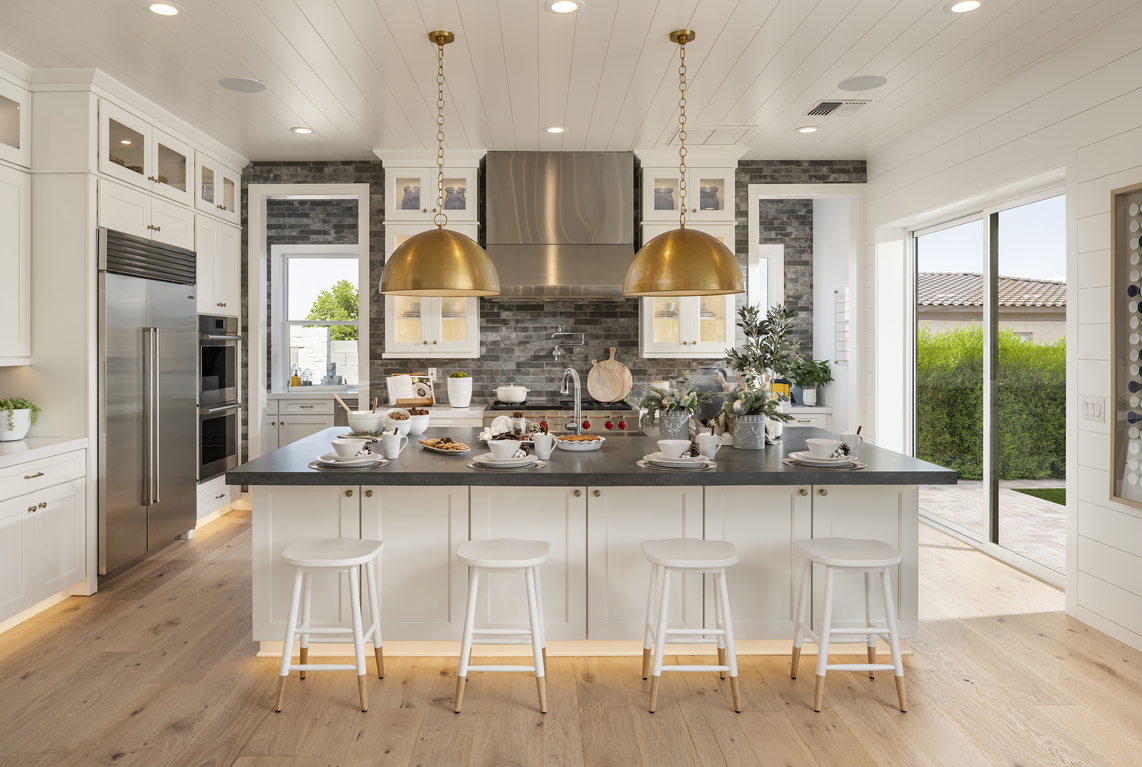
{"points": [[991, 308]]}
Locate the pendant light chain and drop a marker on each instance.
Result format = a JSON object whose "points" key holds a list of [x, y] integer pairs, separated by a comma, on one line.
{"points": [[682, 130], [441, 218]]}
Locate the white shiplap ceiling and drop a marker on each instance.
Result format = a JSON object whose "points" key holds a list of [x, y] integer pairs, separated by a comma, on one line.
{"points": [[361, 73]]}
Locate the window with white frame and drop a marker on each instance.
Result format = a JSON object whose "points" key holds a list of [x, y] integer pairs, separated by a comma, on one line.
{"points": [[320, 321]]}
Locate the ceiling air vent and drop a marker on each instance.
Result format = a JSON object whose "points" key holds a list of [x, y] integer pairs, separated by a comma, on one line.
{"points": [[826, 108]]}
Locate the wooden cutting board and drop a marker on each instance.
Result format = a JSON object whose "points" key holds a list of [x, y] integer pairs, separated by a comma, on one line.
{"points": [[609, 380]]}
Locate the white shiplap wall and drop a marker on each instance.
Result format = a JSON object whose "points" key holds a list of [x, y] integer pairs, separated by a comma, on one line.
{"points": [[1078, 113]]}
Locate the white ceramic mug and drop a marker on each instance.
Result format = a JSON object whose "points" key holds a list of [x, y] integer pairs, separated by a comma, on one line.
{"points": [[708, 444], [544, 445], [854, 441], [392, 444]]}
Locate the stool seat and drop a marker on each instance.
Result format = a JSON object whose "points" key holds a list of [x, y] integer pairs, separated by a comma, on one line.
{"points": [[848, 552], [503, 552], [331, 552], [690, 553]]}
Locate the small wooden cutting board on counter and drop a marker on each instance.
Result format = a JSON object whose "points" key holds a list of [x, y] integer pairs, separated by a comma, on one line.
{"points": [[609, 380]]}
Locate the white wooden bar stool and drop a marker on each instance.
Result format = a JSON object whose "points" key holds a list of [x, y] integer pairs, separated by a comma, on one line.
{"points": [[848, 555], [332, 555], [683, 555], [504, 555]]}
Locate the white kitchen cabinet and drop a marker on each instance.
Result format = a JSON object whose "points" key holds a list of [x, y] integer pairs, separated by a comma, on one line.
{"points": [[217, 188], [270, 430], [15, 266], [557, 515], [429, 326], [412, 194], [887, 513], [136, 212], [423, 587], [761, 521], [218, 247], [213, 494], [662, 198], [16, 593], [619, 519], [58, 539], [15, 124], [291, 428], [816, 417], [132, 150], [284, 515]]}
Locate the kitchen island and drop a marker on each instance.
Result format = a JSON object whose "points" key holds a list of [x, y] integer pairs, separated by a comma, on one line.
{"points": [[594, 508]]}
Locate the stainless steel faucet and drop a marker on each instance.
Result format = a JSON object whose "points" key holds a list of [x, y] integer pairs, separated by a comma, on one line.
{"points": [[570, 375]]}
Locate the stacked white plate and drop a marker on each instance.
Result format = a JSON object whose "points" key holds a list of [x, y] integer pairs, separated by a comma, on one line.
{"points": [[489, 460], [806, 458], [685, 462], [357, 461]]}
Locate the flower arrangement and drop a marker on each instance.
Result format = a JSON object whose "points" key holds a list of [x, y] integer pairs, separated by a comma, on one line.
{"points": [[679, 398], [810, 374], [10, 405], [754, 402]]}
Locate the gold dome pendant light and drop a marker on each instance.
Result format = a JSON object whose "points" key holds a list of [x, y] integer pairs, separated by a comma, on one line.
{"points": [[683, 262], [440, 262]]}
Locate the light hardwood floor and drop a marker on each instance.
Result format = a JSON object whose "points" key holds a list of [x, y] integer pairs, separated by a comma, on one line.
{"points": [[159, 669]]}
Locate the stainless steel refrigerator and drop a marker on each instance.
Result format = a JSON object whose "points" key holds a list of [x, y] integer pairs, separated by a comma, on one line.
{"points": [[147, 389]]}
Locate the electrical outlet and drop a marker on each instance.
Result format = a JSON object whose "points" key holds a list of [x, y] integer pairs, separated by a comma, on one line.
{"points": [[432, 374], [1092, 409]]}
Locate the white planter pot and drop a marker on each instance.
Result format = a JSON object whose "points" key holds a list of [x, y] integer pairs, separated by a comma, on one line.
{"points": [[459, 392], [809, 396], [21, 422]]}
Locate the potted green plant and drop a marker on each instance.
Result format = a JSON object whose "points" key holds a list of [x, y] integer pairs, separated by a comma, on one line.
{"points": [[459, 389], [809, 375], [17, 415], [673, 407], [766, 353]]}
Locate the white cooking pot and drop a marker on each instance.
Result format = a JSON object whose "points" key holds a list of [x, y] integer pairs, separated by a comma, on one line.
{"points": [[511, 393]]}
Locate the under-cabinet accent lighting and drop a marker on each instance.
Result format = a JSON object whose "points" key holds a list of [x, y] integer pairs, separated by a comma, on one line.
{"points": [[808, 129], [302, 130], [165, 9], [962, 6], [125, 141], [563, 6]]}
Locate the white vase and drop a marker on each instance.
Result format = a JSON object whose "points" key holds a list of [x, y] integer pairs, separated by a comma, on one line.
{"points": [[21, 422], [809, 396], [459, 392]]}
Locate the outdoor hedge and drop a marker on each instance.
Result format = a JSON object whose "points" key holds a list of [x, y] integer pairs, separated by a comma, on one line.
{"points": [[1032, 403]]}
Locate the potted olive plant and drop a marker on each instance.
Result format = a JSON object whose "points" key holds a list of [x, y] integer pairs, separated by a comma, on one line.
{"points": [[809, 375], [17, 415], [766, 353], [673, 406]]}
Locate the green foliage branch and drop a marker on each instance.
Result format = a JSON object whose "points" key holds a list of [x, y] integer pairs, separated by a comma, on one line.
{"points": [[339, 303]]}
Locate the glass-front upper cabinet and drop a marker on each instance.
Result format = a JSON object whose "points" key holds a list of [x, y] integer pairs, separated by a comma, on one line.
{"points": [[173, 167], [412, 194], [15, 124], [217, 188], [661, 194], [132, 150], [429, 326], [709, 194]]}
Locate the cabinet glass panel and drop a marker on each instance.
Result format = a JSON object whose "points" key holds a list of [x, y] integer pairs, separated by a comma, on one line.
{"points": [[455, 194], [712, 319], [126, 146], [409, 194], [407, 323], [228, 193], [207, 190], [453, 321], [172, 167], [666, 193], [9, 122], [711, 194], [667, 320]]}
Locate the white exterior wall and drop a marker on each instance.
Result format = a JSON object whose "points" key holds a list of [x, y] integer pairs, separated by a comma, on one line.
{"points": [[1076, 118]]}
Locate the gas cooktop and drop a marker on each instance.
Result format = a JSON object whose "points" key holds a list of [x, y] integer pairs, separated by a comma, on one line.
{"points": [[566, 404]]}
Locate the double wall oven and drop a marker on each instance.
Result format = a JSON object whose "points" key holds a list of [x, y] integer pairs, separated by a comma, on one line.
{"points": [[219, 404]]}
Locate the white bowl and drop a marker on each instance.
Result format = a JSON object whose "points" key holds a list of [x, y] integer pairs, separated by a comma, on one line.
{"points": [[673, 448], [400, 427], [347, 447], [417, 424], [503, 449], [364, 420], [822, 448]]}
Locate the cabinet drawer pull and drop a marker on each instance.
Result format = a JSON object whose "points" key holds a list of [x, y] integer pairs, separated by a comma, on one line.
{"points": [[596, 493], [348, 493], [368, 493], [220, 495], [823, 491], [578, 493], [804, 491], [33, 476], [803, 420], [305, 406]]}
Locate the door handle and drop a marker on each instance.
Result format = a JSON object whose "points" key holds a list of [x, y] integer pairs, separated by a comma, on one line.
{"points": [[219, 409], [155, 389], [220, 495]]}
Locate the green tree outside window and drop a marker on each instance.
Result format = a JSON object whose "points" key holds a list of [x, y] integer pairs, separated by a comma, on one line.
{"points": [[337, 304]]}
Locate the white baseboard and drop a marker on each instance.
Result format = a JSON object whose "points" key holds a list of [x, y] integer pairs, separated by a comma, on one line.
{"points": [[38, 608]]}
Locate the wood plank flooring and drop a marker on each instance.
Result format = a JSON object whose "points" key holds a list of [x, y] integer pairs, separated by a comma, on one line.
{"points": [[158, 669]]}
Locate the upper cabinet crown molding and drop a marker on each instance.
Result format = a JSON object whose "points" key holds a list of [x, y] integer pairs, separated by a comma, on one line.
{"points": [[695, 155], [419, 158]]}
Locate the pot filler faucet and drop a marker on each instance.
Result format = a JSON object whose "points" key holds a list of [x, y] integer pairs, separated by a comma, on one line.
{"points": [[570, 375], [557, 352]]}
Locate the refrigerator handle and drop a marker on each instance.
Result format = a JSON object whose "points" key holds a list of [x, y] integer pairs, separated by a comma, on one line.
{"points": [[155, 417], [148, 416]]}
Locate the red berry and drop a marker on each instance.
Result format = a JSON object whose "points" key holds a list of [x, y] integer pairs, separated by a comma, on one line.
{"points": [[609, 424]]}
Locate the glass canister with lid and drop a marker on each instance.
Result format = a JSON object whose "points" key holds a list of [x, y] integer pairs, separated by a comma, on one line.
{"points": [[411, 199], [708, 198], [454, 198], [663, 198]]}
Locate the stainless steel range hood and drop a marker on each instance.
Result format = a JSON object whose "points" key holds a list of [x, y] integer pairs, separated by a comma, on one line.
{"points": [[560, 224]]}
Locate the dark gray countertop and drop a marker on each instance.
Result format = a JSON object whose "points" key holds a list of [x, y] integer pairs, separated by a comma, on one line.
{"points": [[613, 465]]}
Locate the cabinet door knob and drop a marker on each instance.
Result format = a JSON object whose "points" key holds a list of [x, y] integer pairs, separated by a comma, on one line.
{"points": [[424, 210], [368, 493], [158, 228], [578, 493], [823, 491], [43, 505], [596, 493], [31, 508], [348, 493], [804, 491], [433, 343], [425, 343]]}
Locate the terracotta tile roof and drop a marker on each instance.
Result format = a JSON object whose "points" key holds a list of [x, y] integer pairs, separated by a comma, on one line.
{"points": [[966, 289]]}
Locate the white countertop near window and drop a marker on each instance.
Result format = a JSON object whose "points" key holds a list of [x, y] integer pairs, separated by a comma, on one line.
{"points": [[319, 394], [34, 448]]}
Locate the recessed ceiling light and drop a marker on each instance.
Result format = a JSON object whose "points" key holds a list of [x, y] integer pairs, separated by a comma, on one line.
{"points": [[125, 141], [808, 129], [962, 6], [242, 84], [302, 130], [563, 6], [165, 9], [555, 129], [862, 83]]}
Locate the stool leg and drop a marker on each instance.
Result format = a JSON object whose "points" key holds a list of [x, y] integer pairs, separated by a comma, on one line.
{"points": [[536, 637], [647, 642], [718, 620], [542, 624], [466, 644], [823, 649], [728, 624], [291, 629], [801, 615], [868, 620], [893, 638], [375, 609], [660, 637], [306, 600], [358, 634]]}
